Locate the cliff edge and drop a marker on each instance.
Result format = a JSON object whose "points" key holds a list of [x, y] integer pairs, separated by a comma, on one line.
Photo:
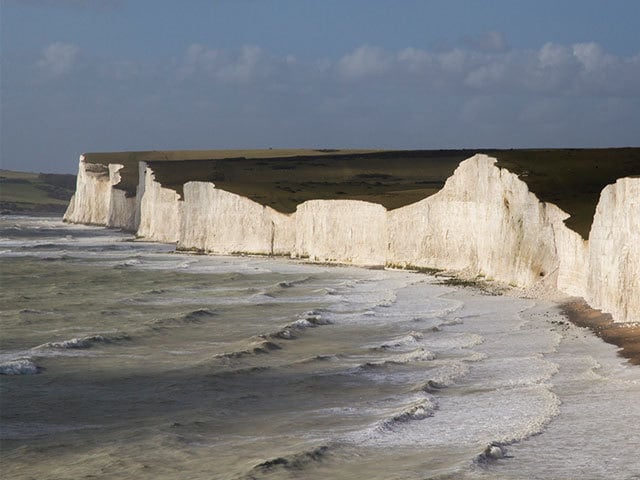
{"points": [[471, 215]]}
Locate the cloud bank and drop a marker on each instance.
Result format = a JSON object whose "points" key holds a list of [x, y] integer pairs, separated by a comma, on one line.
{"points": [[480, 93], [488, 67]]}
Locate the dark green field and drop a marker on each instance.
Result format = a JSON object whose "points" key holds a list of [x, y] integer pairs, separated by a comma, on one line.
{"points": [[35, 193]]}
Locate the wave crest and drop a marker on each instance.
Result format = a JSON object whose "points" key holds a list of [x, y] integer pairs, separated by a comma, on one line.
{"points": [[446, 377], [256, 348], [83, 342], [417, 355], [310, 319], [418, 411], [410, 338], [20, 366], [195, 316], [200, 314], [296, 461], [494, 451]]}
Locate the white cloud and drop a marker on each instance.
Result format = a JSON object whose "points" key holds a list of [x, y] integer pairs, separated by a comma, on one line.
{"points": [[554, 95], [591, 56], [414, 59], [491, 73], [364, 61], [553, 69], [552, 55], [244, 65], [453, 61], [58, 58]]}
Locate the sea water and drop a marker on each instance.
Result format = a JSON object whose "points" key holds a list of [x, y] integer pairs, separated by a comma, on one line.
{"points": [[123, 359]]}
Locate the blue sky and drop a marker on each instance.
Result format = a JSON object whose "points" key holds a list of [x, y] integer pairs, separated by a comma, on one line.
{"points": [[90, 75]]}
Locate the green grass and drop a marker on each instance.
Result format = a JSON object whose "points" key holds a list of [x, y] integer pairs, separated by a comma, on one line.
{"points": [[22, 192]]}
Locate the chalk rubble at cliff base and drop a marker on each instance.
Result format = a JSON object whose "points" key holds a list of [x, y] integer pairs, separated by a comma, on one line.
{"points": [[484, 221]]}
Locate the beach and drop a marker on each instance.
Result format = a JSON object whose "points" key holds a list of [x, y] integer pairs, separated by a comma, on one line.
{"points": [[626, 336]]}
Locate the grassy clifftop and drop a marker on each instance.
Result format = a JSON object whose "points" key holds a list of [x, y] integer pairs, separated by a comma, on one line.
{"points": [[571, 178], [32, 193], [392, 179], [129, 160], [282, 179]]}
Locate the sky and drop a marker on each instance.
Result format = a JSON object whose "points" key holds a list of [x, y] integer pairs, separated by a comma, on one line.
{"points": [[111, 75]]}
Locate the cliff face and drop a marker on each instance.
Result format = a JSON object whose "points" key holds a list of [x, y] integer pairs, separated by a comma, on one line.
{"points": [[160, 210], [90, 203], [613, 281], [341, 231], [122, 209], [96, 202], [484, 221], [216, 221]]}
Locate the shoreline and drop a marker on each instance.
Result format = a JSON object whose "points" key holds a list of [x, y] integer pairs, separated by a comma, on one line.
{"points": [[626, 336]]}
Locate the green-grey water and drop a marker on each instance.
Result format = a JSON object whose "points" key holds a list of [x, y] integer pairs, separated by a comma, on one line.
{"points": [[123, 359]]}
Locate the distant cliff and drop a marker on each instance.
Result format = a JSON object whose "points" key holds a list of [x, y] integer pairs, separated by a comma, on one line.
{"points": [[483, 220]]}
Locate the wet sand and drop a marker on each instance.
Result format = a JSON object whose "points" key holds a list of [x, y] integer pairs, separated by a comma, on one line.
{"points": [[624, 335]]}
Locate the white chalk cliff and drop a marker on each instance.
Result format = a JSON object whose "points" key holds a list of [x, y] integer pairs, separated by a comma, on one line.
{"points": [[485, 221], [613, 276]]}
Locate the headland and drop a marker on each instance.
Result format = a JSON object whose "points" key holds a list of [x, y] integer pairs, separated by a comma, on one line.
{"points": [[562, 220]]}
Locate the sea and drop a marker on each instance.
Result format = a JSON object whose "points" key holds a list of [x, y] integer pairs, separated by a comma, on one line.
{"points": [[122, 359]]}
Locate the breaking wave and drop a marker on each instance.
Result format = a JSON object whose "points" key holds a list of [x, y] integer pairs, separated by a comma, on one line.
{"points": [[195, 316], [418, 411], [293, 283], [20, 366], [83, 342], [311, 319], [494, 451], [255, 348], [296, 461], [200, 314], [444, 378], [417, 355], [132, 262], [409, 339], [318, 358], [266, 343]]}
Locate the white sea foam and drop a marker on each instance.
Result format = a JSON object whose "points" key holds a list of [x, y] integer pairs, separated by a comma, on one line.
{"points": [[21, 366], [410, 339], [419, 410], [87, 341], [417, 355]]}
